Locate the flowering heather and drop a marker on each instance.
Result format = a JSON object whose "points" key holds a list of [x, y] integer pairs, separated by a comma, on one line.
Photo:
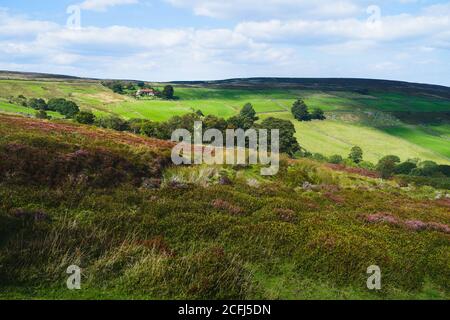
{"points": [[415, 225], [224, 205], [382, 217]]}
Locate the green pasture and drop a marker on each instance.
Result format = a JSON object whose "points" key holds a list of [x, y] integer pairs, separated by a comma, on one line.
{"points": [[335, 137], [363, 120]]}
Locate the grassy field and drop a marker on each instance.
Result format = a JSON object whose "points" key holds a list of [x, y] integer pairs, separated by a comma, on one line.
{"points": [[62, 202], [335, 137], [355, 119]]}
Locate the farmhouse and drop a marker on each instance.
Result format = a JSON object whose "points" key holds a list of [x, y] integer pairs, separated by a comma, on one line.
{"points": [[146, 92]]}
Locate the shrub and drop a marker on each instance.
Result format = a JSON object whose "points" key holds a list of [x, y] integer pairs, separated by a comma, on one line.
{"points": [[85, 117], [318, 114], [426, 169], [335, 159], [366, 165], [319, 157], [113, 122], [63, 106], [405, 167], [386, 166], [41, 114], [38, 104]]}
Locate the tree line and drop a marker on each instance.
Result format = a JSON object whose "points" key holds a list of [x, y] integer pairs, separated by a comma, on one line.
{"points": [[131, 88]]}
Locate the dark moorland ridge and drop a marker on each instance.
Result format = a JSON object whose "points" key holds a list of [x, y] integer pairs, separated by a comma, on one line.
{"points": [[326, 84]]}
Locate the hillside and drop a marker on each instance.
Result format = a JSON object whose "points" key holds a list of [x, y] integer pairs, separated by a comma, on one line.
{"points": [[383, 117], [140, 228]]}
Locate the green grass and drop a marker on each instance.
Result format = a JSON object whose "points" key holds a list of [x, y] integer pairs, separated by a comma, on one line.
{"points": [[435, 138], [360, 119], [335, 137], [402, 102]]}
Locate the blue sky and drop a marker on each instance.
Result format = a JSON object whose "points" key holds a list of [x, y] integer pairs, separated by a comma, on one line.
{"points": [[165, 40]]}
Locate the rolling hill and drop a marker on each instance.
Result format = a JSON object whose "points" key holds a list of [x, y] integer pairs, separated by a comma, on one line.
{"points": [[140, 228], [383, 117]]}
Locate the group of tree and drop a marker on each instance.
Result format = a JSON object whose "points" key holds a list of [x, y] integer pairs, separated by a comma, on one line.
{"points": [[354, 159], [67, 108], [131, 87], [388, 166], [122, 87], [301, 112], [245, 120], [391, 165]]}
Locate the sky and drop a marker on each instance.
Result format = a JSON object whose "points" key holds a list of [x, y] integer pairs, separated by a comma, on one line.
{"points": [[164, 40]]}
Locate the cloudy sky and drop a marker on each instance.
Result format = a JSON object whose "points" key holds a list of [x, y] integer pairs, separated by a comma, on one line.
{"points": [[166, 40]]}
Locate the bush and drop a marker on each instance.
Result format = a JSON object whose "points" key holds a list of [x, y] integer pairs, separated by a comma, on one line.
{"points": [[366, 165], [320, 157], [20, 100], [405, 167], [386, 166], [426, 169], [318, 114], [41, 114], [38, 104], [435, 182], [85, 117], [335, 159], [444, 169], [65, 107], [113, 122]]}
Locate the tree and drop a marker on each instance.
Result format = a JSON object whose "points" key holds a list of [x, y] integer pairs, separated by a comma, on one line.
{"points": [[356, 154], [318, 114], [117, 87], [444, 169], [288, 142], [41, 114], [85, 117], [300, 111], [213, 122], [240, 122], [38, 104], [140, 84], [386, 166], [168, 92], [248, 112], [405, 167], [245, 119], [65, 107], [426, 169]]}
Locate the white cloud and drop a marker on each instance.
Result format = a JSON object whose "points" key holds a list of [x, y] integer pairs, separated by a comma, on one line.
{"points": [[268, 8], [16, 26], [277, 47], [102, 5], [391, 28]]}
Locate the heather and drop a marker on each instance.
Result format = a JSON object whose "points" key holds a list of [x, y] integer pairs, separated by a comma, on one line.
{"points": [[140, 228]]}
